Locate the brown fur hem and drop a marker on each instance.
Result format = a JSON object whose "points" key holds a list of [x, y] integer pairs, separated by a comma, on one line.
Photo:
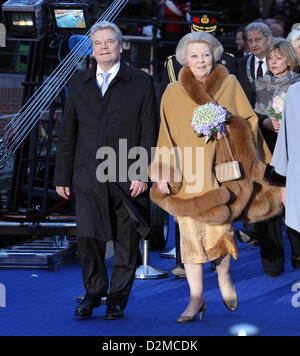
{"points": [[193, 206]]}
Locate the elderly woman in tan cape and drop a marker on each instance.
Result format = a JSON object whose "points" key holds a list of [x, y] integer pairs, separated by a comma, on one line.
{"points": [[183, 168]]}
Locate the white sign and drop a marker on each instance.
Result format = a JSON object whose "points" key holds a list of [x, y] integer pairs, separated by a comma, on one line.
{"points": [[2, 35], [2, 296]]}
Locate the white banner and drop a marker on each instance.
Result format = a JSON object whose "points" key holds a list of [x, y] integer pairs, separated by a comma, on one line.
{"points": [[2, 296]]}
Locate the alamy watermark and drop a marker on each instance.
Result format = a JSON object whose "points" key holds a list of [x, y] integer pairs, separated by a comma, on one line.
{"points": [[2, 296], [296, 297], [115, 167]]}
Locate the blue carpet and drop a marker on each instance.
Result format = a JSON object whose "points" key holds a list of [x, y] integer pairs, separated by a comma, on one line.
{"points": [[39, 302]]}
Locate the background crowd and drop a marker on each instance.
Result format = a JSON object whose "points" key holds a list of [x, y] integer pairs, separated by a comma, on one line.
{"points": [[280, 15]]}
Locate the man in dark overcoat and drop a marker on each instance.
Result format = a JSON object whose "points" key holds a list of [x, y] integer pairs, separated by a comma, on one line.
{"points": [[253, 66], [110, 111], [249, 69]]}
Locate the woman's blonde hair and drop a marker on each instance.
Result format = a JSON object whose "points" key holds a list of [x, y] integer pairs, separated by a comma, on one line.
{"points": [[198, 37], [286, 49]]}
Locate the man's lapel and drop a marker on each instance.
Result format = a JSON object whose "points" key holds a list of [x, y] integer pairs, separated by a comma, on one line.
{"points": [[123, 74], [91, 91], [252, 67]]}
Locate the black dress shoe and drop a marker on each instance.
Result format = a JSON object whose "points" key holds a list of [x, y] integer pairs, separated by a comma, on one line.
{"points": [[213, 266], [295, 262], [85, 308], [113, 312], [273, 274], [179, 271]]}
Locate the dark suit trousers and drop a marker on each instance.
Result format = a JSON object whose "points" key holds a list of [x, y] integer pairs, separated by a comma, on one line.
{"points": [[294, 237], [271, 244], [177, 245], [126, 259]]}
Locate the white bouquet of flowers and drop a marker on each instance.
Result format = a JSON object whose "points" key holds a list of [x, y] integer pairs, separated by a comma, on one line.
{"points": [[277, 107], [209, 119]]}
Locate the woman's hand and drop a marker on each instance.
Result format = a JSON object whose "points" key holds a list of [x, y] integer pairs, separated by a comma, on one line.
{"points": [[272, 124], [164, 187]]}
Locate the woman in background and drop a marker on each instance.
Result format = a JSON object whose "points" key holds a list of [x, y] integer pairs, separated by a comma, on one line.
{"points": [[270, 92], [282, 62], [286, 162]]}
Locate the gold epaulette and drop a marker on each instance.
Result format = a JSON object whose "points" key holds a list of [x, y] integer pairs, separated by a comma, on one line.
{"points": [[170, 68], [230, 54]]}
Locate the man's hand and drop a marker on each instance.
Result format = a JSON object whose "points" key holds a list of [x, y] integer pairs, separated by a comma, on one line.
{"points": [[63, 192], [137, 188]]}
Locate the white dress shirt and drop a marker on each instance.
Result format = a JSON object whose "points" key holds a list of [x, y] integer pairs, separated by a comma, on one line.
{"points": [[114, 71], [264, 65]]}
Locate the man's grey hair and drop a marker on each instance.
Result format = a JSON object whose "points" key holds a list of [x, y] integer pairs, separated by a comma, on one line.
{"points": [[103, 25], [259, 27], [198, 37], [294, 36]]}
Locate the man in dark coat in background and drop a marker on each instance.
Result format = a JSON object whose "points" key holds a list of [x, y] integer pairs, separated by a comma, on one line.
{"points": [[205, 21], [110, 111], [249, 69]]}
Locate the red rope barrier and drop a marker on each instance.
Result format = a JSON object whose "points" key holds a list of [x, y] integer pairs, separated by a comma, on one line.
{"points": [[39, 216]]}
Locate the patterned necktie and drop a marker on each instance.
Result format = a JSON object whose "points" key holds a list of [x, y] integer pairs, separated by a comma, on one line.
{"points": [[105, 82], [259, 70]]}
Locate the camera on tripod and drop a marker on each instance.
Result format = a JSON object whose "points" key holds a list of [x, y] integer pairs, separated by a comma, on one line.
{"points": [[25, 20], [29, 20]]}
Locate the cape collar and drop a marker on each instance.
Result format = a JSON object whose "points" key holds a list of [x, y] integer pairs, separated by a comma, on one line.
{"points": [[199, 93]]}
